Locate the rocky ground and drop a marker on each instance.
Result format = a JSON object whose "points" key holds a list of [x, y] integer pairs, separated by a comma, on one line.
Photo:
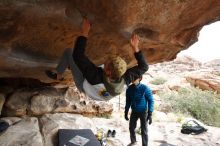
{"points": [[43, 131]]}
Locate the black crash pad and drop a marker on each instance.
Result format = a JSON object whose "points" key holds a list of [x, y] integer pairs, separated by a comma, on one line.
{"points": [[68, 135]]}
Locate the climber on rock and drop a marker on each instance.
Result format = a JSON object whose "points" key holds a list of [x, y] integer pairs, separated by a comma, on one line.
{"points": [[97, 82]]}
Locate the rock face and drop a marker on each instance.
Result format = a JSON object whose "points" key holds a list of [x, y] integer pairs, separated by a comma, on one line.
{"points": [[37, 102], [2, 101], [184, 72], [205, 82], [34, 34], [51, 124], [25, 132]]}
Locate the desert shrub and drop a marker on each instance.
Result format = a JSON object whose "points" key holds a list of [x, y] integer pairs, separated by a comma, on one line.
{"points": [[202, 105], [158, 81]]}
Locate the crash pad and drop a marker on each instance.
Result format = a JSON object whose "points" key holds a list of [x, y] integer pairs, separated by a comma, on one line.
{"points": [[77, 137]]}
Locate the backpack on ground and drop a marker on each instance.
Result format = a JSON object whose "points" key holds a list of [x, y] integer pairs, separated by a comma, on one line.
{"points": [[3, 125], [192, 127]]}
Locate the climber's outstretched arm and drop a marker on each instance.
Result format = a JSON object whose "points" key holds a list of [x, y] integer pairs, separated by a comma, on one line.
{"points": [[90, 71]]}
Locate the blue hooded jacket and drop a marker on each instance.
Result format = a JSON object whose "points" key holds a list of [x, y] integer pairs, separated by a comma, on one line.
{"points": [[139, 98]]}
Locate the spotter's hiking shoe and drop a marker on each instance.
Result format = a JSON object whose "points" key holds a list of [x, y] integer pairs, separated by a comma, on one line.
{"points": [[132, 144], [113, 133], [109, 133]]}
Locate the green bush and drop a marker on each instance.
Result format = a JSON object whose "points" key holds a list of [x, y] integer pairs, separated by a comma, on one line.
{"points": [[158, 81], [202, 105]]}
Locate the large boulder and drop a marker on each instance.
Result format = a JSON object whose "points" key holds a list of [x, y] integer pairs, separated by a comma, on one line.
{"points": [[17, 104], [34, 34], [36, 102], [23, 132], [205, 82], [50, 124]]}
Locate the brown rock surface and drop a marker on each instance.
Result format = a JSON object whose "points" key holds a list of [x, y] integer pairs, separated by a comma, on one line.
{"points": [[33, 34], [205, 82], [36, 102], [2, 101], [184, 72]]}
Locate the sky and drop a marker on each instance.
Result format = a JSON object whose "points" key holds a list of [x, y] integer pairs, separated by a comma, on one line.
{"points": [[207, 47]]}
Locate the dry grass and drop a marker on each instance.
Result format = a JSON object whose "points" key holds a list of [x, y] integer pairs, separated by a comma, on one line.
{"points": [[202, 105]]}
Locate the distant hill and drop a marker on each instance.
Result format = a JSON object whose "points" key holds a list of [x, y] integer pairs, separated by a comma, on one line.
{"points": [[213, 63], [186, 59]]}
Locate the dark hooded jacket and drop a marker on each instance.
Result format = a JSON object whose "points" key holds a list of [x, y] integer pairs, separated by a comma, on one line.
{"points": [[94, 74]]}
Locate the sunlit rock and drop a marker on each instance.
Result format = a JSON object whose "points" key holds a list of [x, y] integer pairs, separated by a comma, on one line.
{"points": [[205, 82]]}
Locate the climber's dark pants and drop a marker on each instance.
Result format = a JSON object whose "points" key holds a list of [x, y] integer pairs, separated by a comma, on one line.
{"points": [[133, 123]]}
